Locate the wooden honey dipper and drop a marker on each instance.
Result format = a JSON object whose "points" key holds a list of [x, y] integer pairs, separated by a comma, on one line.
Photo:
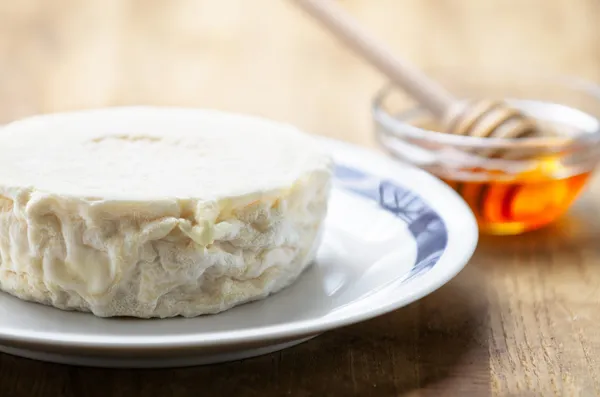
{"points": [[480, 118]]}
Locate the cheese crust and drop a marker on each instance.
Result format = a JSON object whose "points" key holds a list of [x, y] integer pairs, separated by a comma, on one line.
{"points": [[157, 212]]}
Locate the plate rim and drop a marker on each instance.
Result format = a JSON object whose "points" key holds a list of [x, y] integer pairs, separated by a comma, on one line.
{"points": [[462, 233]]}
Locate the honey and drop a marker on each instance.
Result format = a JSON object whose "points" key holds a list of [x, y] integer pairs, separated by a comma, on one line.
{"points": [[515, 181], [506, 204], [520, 204]]}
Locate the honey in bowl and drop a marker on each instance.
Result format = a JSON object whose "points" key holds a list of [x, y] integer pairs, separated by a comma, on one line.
{"points": [[512, 203], [513, 183]]}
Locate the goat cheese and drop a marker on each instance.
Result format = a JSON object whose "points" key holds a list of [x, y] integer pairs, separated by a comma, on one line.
{"points": [[157, 212]]}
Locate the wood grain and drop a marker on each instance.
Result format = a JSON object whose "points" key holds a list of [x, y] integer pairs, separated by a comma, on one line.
{"points": [[520, 320]]}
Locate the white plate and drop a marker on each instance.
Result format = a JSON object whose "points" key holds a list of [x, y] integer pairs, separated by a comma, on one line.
{"points": [[393, 235]]}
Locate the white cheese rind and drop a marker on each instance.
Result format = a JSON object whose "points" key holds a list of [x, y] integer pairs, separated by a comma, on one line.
{"points": [[157, 250]]}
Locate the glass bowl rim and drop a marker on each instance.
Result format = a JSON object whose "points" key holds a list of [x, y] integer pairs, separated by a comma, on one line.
{"points": [[392, 124]]}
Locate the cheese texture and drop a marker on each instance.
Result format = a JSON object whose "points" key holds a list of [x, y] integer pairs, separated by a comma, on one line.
{"points": [[156, 212]]}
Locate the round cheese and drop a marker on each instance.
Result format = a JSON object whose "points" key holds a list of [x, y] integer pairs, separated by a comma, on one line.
{"points": [[157, 212]]}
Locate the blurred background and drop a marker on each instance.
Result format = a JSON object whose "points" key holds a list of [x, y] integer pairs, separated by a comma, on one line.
{"points": [[265, 57]]}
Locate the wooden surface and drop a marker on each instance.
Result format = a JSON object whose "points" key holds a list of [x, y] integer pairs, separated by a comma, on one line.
{"points": [[522, 318]]}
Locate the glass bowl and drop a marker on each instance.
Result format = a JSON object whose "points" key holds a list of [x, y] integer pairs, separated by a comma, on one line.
{"points": [[512, 185]]}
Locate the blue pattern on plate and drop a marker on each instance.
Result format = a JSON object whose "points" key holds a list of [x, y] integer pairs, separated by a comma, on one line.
{"points": [[424, 223]]}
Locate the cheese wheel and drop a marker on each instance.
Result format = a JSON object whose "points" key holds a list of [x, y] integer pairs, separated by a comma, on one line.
{"points": [[157, 212]]}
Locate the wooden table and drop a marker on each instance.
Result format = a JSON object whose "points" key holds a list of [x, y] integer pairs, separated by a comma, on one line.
{"points": [[521, 319]]}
